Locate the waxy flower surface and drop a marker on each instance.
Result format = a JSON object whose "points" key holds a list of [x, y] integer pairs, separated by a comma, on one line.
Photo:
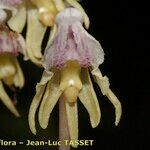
{"points": [[68, 61], [11, 43]]}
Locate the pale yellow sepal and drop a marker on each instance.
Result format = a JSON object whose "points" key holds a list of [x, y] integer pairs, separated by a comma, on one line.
{"points": [[51, 35], [34, 105], [19, 77], [103, 82], [34, 36], [104, 86], [88, 98], [49, 100], [114, 100], [23, 49], [7, 101], [72, 117], [40, 89], [42, 105], [18, 19], [59, 4]]}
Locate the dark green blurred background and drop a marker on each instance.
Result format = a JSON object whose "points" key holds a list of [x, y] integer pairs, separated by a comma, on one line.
{"points": [[122, 28]]}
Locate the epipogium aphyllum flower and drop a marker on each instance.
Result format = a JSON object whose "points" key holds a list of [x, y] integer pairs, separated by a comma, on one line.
{"points": [[11, 43], [38, 15], [67, 62]]}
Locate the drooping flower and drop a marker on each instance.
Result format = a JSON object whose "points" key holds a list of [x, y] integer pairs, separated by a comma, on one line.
{"points": [[72, 54], [38, 14], [11, 43]]}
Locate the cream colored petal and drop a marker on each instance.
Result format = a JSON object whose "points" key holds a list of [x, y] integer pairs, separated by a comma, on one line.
{"points": [[72, 117], [50, 99], [47, 90], [47, 108], [52, 35], [75, 4], [88, 97], [103, 82], [114, 100], [23, 49], [34, 105], [40, 88], [19, 77], [18, 19], [35, 35], [59, 4], [7, 101], [44, 99], [104, 86], [47, 75]]}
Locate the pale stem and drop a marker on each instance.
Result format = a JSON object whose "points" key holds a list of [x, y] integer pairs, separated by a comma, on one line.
{"points": [[63, 125]]}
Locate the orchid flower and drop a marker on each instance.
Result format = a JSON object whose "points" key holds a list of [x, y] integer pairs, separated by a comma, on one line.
{"points": [[72, 55], [38, 15], [11, 43]]}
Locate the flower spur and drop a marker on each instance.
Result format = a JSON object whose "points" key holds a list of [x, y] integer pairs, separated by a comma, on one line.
{"points": [[67, 62], [11, 43], [38, 14]]}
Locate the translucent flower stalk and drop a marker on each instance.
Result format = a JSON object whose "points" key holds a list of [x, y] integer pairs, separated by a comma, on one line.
{"points": [[63, 125], [68, 61]]}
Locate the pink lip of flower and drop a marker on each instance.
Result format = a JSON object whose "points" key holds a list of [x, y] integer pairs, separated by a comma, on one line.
{"points": [[72, 42], [10, 42]]}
